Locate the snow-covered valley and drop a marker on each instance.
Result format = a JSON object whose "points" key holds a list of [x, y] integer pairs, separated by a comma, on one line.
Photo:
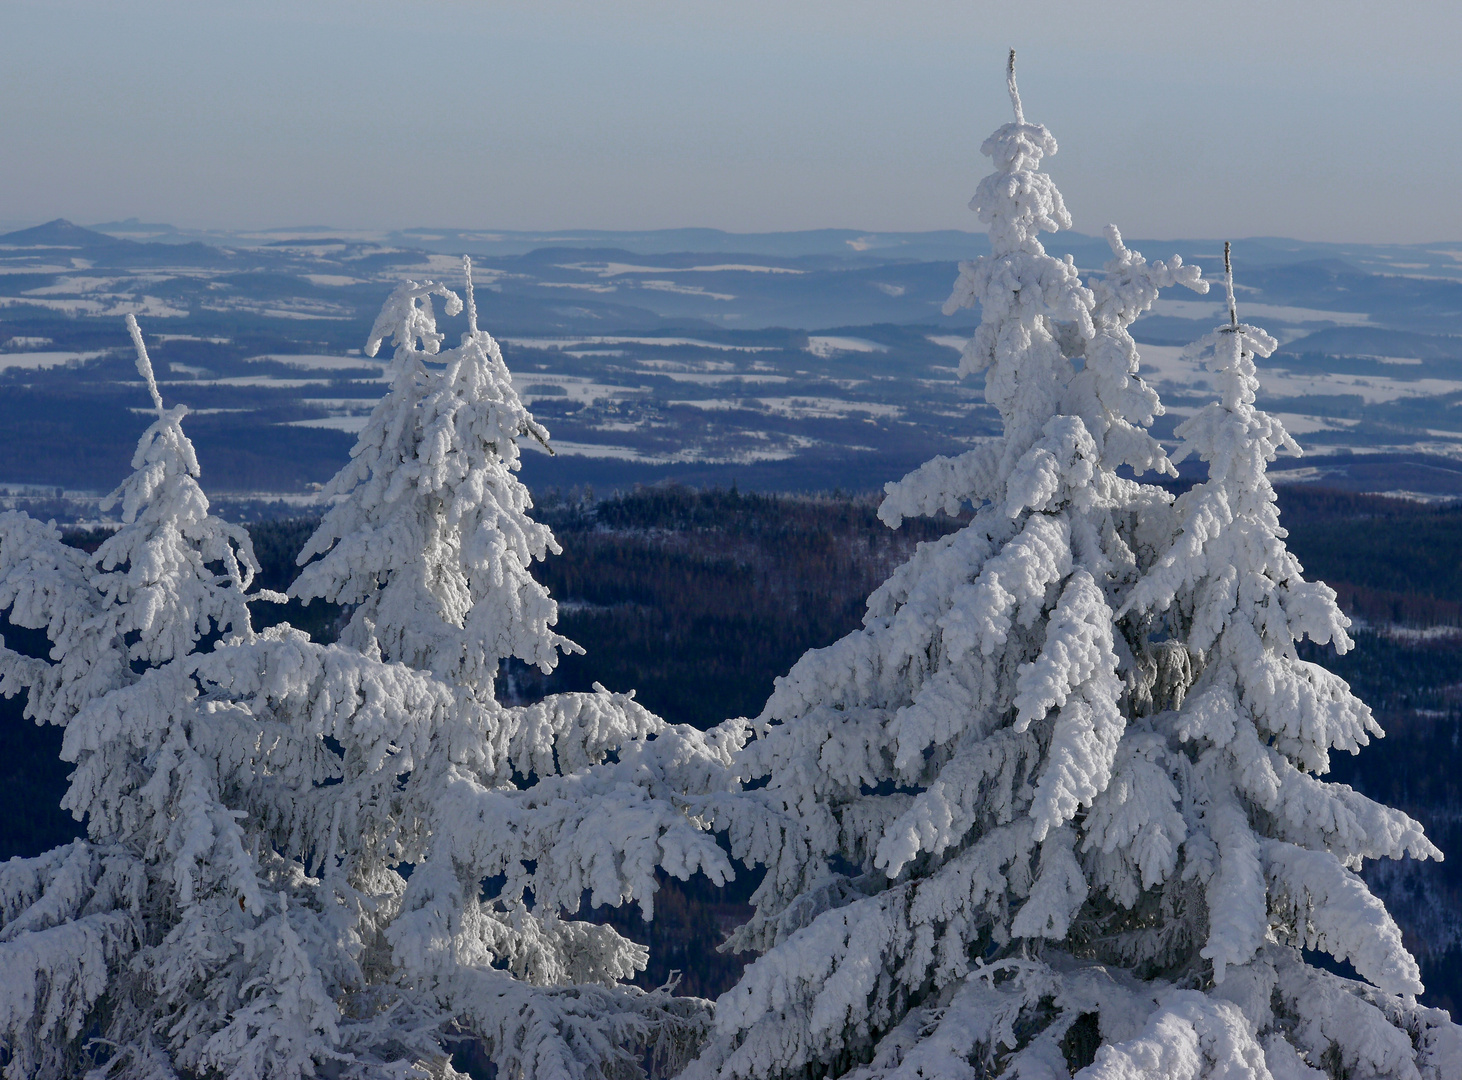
{"points": [[787, 361]]}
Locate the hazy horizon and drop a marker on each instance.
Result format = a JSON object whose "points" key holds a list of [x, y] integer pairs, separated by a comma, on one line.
{"points": [[119, 227], [1327, 121]]}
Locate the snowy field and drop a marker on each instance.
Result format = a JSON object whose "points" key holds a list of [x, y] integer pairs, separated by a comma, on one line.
{"points": [[838, 367]]}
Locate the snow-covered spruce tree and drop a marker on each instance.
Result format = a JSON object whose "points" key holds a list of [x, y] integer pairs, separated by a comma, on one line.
{"points": [[1272, 847], [93, 935], [429, 542], [429, 539], [255, 804], [1006, 832]]}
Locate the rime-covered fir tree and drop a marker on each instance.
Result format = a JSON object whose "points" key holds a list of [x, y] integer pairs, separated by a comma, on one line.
{"points": [[429, 540], [98, 938], [579, 796], [288, 843], [1269, 849], [1054, 809]]}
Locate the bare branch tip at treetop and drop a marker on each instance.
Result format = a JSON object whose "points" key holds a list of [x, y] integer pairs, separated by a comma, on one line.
{"points": [[1228, 286], [144, 362], [471, 296], [1014, 93]]}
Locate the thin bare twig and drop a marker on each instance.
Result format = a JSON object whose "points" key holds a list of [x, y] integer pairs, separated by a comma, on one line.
{"points": [[471, 297], [1014, 93], [1228, 287]]}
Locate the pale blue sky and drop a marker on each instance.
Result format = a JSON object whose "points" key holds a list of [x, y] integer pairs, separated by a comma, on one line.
{"points": [[1330, 121]]}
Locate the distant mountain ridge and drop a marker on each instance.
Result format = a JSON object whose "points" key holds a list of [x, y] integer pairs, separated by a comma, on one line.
{"points": [[1438, 258], [62, 233], [1377, 341], [107, 250]]}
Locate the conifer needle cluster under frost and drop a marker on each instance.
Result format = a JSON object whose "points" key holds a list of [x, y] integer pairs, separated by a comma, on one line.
{"points": [[288, 842], [1055, 809]]}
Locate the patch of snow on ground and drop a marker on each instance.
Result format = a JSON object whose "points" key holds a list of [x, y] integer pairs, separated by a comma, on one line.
{"points": [[42, 269], [1215, 310], [265, 381], [583, 286], [1413, 634], [34, 361], [571, 342], [713, 378], [672, 366], [149, 307], [564, 448], [69, 307], [1428, 497], [329, 280], [1165, 364], [695, 454], [827, 408], [1303, 424], [743, 268], [347, 404], [280, 313], [684, 290], [825, 345], [449, 266], [320, 362], [1284, 313], [191, 411], [614, 269], [726, 404], [575, 389], [70, 286], [352, 424], [1369, 388]]}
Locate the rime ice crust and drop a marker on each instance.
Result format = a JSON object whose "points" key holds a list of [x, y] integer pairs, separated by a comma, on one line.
{"points": [[1062, 785], [429, 538], [255, 804]]}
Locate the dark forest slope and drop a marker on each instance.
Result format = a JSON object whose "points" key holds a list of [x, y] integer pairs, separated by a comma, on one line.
{"points": [[698, 600]]}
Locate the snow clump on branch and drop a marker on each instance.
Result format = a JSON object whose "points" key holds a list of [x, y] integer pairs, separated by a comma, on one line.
{"points": [[288, 842], [1056, 808]]}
